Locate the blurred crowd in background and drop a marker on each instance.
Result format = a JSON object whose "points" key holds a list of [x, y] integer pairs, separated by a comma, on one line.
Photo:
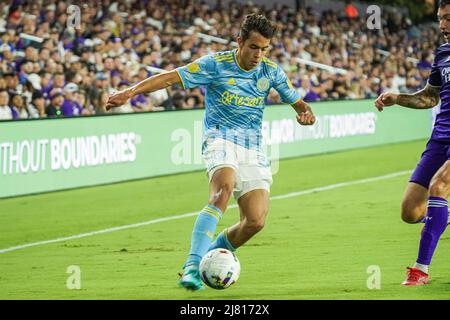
{"points": [[48, 68]]}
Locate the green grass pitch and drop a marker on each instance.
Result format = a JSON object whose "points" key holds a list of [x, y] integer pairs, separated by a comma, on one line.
{"points": [[314, 246]]}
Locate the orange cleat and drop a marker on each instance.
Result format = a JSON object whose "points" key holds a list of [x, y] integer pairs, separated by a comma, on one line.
{"points": [[415, 277]]}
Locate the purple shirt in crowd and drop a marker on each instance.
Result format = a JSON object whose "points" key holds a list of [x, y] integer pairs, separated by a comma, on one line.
{"points": [[139, 99], [71, 108]]}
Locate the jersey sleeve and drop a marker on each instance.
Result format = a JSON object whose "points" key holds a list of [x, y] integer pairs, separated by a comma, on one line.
{"points": [[435, 75], [284, 87], [201, 72]]}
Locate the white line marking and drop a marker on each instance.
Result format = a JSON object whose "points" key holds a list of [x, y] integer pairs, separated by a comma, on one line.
{"points": [[190, 214]]}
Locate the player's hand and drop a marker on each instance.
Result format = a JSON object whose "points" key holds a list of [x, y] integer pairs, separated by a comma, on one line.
{"points": [[306, 118], [385, 100], [117, 99]]}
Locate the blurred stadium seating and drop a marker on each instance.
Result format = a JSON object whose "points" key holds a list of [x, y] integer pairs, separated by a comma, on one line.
{"points": [[61, 70]]}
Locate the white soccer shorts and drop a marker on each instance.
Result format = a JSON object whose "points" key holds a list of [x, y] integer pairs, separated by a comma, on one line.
{"points": [[251, 166]]}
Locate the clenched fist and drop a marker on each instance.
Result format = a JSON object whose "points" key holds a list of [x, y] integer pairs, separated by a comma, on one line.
{"points": [[306, 118], [385, 100], [117, 99]]}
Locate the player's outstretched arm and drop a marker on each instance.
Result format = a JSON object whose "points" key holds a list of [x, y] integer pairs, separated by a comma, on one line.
{"points": [[426, 98], [305, 115], [153, 83]]}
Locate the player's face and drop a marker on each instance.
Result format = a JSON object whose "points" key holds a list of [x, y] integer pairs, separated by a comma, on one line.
{"points": [[444, 21], [252, 50]]}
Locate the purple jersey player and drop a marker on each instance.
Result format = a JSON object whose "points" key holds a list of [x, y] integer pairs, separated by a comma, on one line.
{"points": [[425, 198]]}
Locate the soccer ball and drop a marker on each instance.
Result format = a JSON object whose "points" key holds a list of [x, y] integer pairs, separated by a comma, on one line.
{"points": [[220, 268]]}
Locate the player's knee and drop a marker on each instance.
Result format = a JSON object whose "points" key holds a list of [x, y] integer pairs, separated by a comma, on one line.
{"points": [[409, 217], [254, 226], [412, 213]]}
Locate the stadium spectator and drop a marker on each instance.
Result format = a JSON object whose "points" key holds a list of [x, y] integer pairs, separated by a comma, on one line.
{"points": [[70, 105], [58, 81], [86, 107], [5, 110], [178, 101], [53, 110], [18, 108], [99, 105], [36, 108], [12, 84]]}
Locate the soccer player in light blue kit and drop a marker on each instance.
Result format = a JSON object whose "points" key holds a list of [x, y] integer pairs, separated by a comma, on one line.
{"points": [[237, 84]]}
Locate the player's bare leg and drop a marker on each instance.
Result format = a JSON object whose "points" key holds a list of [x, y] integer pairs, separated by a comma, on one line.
{"points": [[440, 184], [254, 207], [414, 204], [221, 188], [436, 222]]}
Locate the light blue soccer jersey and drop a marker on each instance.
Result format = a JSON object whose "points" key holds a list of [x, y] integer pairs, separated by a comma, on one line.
{"points": [[235, 98]]}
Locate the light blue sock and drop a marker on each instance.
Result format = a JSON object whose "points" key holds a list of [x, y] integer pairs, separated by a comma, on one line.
{"points": [[203, 232], [222, 242]]}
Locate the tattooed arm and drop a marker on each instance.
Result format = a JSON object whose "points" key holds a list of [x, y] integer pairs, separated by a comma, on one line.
{"points": [[426, 98]]}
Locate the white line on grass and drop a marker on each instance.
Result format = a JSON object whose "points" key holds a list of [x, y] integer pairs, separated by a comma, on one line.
{"points": [[190, 214]]}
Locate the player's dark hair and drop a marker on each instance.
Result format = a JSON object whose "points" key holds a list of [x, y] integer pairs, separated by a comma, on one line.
{"points": [[443, 3], [258, 23]]}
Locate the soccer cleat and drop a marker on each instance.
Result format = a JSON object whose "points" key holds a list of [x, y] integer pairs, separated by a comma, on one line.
{"points": [[190, 279], [415, 277]]}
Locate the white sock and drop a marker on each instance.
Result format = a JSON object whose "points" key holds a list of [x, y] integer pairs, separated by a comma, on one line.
{"points": [[422, 267]]}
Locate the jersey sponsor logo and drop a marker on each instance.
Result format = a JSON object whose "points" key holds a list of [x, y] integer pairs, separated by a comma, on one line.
{"points": [[233, 99], [193, 67], [262, 84], [445, 75]]}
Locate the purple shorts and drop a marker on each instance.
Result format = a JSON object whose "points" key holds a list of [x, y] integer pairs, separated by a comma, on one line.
{"points": [[434, 156]]}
